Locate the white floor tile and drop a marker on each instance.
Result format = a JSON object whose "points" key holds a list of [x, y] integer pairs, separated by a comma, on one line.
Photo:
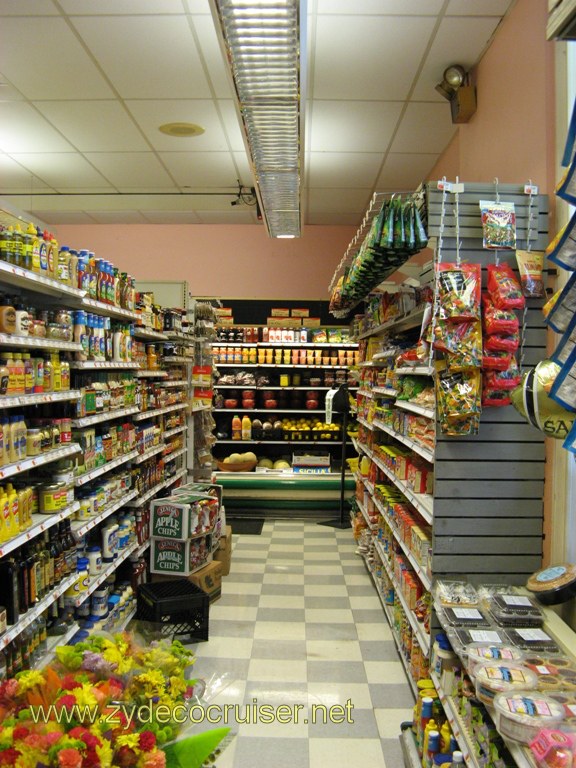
{"points": [[329, 616], [279, 547], [231, 693], [374, 631], [283, 630], [277, 670], [241, 588], [281, 601], [385, 672], [283, 578], [366, 604], [339, 693], [359, 578], [323, 570], [240, 567], [325, 590], [233, 612], [343, 753], [388, 721], [222, 647], [333, 650]]}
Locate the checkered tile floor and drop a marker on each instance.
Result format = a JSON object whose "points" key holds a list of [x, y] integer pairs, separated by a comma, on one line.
{"points": [[299, 624]]}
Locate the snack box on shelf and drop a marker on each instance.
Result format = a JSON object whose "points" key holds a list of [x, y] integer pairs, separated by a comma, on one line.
{"points": [[183, 515]]}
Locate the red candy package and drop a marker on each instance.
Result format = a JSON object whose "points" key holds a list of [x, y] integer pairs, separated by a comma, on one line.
{"points": [[501, 343], [459, 291], [498, 320], [494, 398], [496, 361], [508, 379], [504, 288]]}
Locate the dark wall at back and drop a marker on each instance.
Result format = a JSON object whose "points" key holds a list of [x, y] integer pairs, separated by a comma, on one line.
{"points": [[257, 311]]}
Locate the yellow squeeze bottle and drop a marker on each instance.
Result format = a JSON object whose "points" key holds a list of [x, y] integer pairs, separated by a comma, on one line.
{"points": [[12, 524], [3, 508], [445, 736], [430, 726]]}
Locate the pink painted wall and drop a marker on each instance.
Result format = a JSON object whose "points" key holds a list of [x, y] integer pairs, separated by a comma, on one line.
{"points": [[235, 261], [511, 136]]}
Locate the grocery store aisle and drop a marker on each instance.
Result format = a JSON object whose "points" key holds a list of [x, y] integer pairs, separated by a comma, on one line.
{"points": [[299, 624]]}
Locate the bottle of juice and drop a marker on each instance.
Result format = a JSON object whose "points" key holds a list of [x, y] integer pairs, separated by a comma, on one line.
{"points": [[246, 428], [236, 428]]}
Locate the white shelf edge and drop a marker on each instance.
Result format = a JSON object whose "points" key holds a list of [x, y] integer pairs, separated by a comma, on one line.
{"points": [[148, 454], [41, 523], [406, 405], [86, 525], [141, 332], [167, 384], [109, 310], [57, 641], [142, 548], [289, 344], [385, 391], [94, 473], [21, 401], [417, 370], [415, 446], [269, 410], [104, 573], [279, 365], [151, 373], [8, 470], [159, 411], [36, 342], [94, 365], [175, 431], [274, 389], [393, 323], [364, 511], [86, 421], [364, 423], [25, 278], [125, 621], [181, 473], [459, 730], [175, 454]]}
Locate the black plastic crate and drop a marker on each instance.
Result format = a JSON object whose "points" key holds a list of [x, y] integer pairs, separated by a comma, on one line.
{"points": [[178, 607]]}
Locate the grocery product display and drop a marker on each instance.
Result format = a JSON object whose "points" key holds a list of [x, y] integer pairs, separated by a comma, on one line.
{"points": [[96, 393]]}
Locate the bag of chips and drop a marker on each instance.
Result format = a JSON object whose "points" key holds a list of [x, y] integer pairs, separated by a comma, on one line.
{"points": [[531, 268], [498, 224], [504, 288]]}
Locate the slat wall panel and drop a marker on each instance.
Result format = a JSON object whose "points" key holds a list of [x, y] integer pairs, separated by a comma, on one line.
{"points": [[488, 488]]}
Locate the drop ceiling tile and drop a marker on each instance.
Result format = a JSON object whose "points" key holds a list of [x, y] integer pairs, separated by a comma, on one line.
{"points": [[338, 200], [244, 170], [22, 129], [380, 7], [141, 170], [126, 7], [28, 8], [381, 66], [65, 217], [14, 178], [481, 8], [231, 123], [352, 169], [343, 127], [459, 40], [405, 171], [207, 169], [212, 54], [425, 127], [58, 169], [94, 126], [52, 64], [150, 115], [171, 217], [118, 217], [146, 57], [233, 216]]}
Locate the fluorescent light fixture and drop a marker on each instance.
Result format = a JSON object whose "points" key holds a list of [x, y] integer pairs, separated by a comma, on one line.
{"points": [[263, 45]]}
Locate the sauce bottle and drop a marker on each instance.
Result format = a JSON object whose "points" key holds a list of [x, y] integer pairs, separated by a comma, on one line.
{"points": [[28, 373], [18, 246], [7, 315], [42, 252], [62, 265], [6, 239], [18, 374], [4, 376]]}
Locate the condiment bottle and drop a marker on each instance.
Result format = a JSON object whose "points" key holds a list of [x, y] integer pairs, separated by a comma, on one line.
{"points": [[81, 335], [4, 376], [42, 252], [22, 320], [28, 373], [33, 244], [62, 267], [18, 246], [18, 374], [7, 316]]}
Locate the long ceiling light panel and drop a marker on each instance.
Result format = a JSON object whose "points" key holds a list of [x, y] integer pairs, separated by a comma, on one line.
{"points": [[263, 47]]}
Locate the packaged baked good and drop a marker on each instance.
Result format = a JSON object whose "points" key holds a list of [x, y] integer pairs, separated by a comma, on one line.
{"points": [[493, 678], [514, 610], [520, 715], [459, 616], [460, 637], [532, 639], [455, 592], [553, 585], [554, 671], [476, 654], [553, 748]]}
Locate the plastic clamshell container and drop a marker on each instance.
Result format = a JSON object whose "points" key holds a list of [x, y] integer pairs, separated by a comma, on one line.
{"points": [[465, 616], [532, 639], [553, 749], [455, 593], [511, 610], [477, 654], [520, 715], [554, 671], [553, 585], [493, 678]]}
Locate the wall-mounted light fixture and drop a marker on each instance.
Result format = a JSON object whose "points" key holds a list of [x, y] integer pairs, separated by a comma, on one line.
{"points": [[456, 89], [263, 50]]}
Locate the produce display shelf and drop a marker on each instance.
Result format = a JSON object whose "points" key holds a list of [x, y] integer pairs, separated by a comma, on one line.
{"points": [[174, 383], [414, 445], [118, 413], [35, 342], [105, 572], [364, 423], [125, 621], [282, 442], [418, 569], [423, 502], [151, 373], [269, 410], [109, 310], [406, 405], [94, 473], [159, 411], [175, 431], [385, 391], [53, 642], [404, 322], [279, 389], [417, 370], [175, 454], [37, 461], [310, 344], [31, 281], [17, 401], [460, 731], [388, 613], [81, 527], [141, 332], [40, 523], [110, 365], [417, 628], [149, 453], [31, 614]]}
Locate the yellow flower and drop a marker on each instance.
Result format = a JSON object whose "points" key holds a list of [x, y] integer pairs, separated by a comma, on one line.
{"points": [[29, 679], [105, 754], [117, 654], [128, 740], [177, 686], [85, 697]]}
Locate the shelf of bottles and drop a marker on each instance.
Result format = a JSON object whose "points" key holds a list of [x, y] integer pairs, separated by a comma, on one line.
{"points": [[9, 470]]}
